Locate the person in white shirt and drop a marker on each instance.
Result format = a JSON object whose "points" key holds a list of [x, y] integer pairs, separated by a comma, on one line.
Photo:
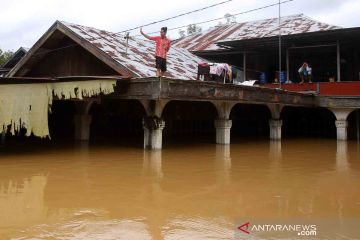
{"points": [[305, 72]]}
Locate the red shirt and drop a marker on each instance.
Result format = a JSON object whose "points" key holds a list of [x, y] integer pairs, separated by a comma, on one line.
{"points": [[162, 46]]}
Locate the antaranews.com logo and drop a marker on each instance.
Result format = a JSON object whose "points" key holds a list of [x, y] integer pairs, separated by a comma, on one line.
{"points": [[276, 229]]}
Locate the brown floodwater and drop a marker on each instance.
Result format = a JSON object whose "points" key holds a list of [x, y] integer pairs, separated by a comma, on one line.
{"points": [[186, 191]]}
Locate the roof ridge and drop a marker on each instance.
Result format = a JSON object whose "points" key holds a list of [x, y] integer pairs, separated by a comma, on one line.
{"points": [[86, 26]]}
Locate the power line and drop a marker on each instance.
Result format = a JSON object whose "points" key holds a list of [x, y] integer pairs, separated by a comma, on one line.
{"points": [[175, 28], [176, 16], [220, 18], [144, 25]]}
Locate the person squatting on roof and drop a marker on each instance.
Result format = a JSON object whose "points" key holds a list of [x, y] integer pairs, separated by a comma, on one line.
{"points": [[305, 72], [162, 48]]}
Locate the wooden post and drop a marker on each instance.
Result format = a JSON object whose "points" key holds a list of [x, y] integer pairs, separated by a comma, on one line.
{"points": [[287, 65], [338, 61], [244, 65]]}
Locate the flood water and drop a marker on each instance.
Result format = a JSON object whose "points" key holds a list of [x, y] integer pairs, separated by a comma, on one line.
{"points": [[186, 191]]}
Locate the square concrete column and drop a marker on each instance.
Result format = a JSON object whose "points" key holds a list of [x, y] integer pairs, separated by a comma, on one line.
{"points": [[153, 133], [82, 127], [275, 129], [223, 128], [341, 129]]}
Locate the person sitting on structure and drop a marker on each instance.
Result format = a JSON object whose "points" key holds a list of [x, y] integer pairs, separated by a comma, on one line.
{"points": [[305, 72], [162, 48]]}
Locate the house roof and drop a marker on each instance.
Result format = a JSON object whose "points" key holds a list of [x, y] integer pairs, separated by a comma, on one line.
{"points": [[138, 55], [15, 58], [137, 59], [293, 24]]}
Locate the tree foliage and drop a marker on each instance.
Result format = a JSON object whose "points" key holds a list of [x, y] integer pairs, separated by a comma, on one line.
{"points": [[5, 56]]}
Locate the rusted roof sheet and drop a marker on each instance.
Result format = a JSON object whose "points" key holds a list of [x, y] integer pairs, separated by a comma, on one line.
{"points": [[293, 24], [140, 55]]}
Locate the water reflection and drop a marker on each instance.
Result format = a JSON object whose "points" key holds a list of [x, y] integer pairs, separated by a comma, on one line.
{"points": [[22, 202], [275, 150], [106, 192], [152, 163], [223, 163], [342, 156]]}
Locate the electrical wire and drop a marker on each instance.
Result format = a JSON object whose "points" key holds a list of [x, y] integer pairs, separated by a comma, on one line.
{"points": [[176, 16], [179, 27], [144, 25], [220, 18]]}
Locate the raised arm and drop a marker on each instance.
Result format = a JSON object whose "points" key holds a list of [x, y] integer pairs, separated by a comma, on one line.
{"points": [[145, 35]]}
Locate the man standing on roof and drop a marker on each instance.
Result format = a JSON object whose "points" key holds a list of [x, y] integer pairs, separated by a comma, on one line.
{"points": [[162, 48]]}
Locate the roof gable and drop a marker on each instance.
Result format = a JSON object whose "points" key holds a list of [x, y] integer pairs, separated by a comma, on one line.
{"points": [[293, 24], [138, 54], [133, 60], [15, 58]]}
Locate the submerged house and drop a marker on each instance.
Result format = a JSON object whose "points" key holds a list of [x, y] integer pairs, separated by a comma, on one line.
{"points": [[332, 51], [73, 50], [141, 105]]}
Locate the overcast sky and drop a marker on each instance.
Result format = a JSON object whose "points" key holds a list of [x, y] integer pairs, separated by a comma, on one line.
{"points": [[22, 22]]}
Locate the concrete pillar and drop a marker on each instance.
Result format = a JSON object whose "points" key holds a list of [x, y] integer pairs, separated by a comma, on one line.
{"points": [[341, 122], [153, 128], [341, 129], [223, 127], [82, 119], [275, 129], [82, 127]]}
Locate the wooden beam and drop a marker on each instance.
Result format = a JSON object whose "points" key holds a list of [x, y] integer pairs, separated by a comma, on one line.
{"points": [[244, 65]]}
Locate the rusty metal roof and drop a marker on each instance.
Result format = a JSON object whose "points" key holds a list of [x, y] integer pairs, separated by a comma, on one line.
{"points": [[293, 24], [140, 55]]}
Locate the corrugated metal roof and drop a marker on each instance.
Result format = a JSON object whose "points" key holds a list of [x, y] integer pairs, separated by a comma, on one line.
{"points": [[293, 24], [140, 56]]}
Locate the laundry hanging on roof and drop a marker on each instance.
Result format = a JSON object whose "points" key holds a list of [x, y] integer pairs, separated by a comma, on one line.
{"points": [[218, 72]]}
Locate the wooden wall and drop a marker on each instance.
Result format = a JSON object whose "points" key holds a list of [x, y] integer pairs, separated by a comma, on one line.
{"points": [[72, 61]]}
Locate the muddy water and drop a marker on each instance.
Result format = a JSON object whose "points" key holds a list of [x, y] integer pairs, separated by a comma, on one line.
{"points": [[183, 192]]}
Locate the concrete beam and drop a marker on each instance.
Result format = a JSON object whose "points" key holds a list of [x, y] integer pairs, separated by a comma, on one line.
{"points": [[223, 108], [208, 91], [275, 110], [154, 107]]}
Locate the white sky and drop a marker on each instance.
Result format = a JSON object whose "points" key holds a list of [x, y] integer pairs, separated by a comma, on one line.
{"points": [[22, 22]]}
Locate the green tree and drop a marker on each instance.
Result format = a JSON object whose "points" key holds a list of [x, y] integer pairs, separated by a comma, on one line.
{"points": [[5, 56]]}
